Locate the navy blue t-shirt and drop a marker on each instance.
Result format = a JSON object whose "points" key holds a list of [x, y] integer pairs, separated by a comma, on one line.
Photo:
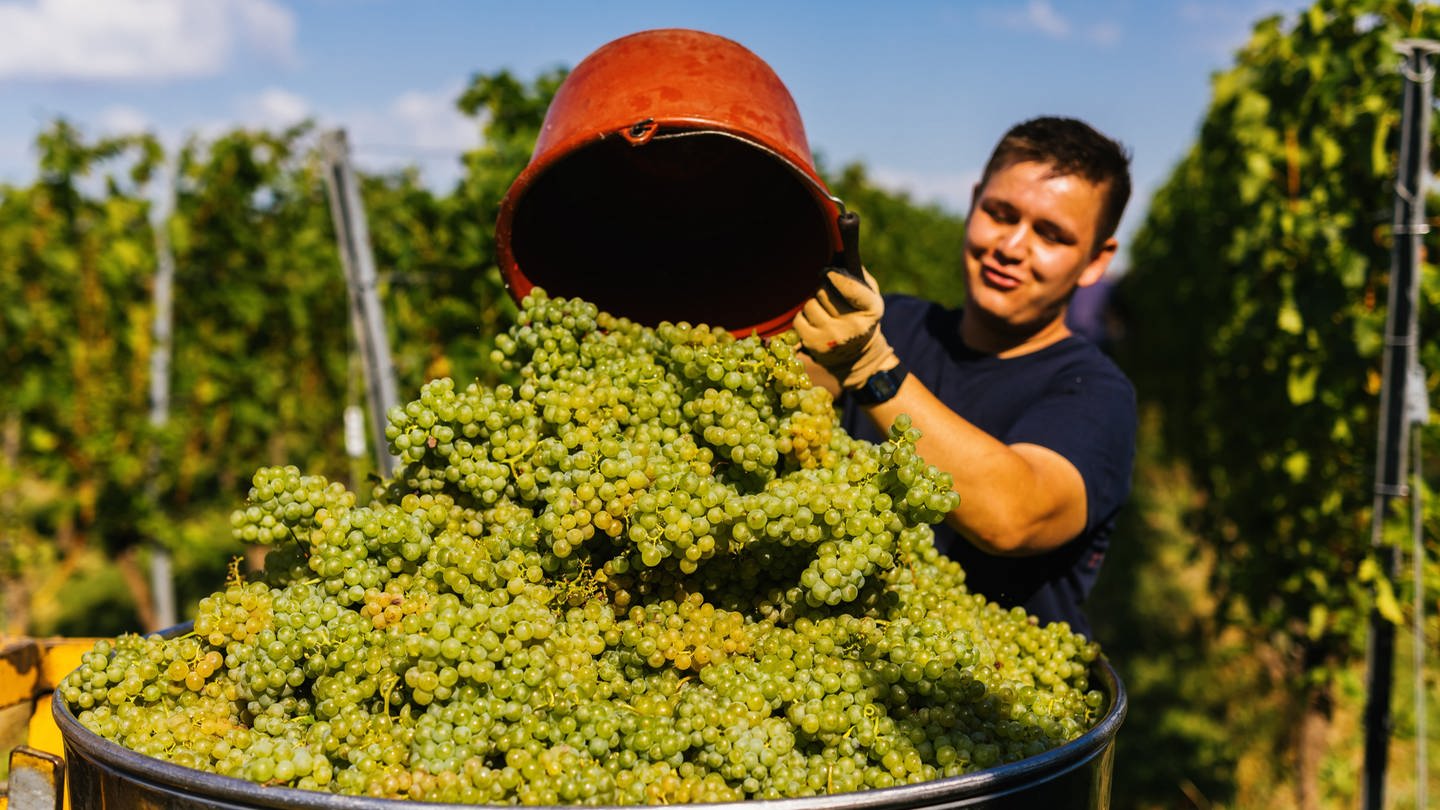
{"points": [[1068, 397]]}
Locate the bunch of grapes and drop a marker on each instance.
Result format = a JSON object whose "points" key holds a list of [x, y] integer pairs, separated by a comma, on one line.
{"points": [[653, 570]]}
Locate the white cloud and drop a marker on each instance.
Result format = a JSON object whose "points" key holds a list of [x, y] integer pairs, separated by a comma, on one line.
{"points": [[431, 120], [268, 28], [274, 108], [121, 120], [138, 39], [1042, 17], [418, 127]]}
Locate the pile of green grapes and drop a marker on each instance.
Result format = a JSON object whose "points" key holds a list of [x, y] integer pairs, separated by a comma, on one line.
{"points": [[653, 570]]}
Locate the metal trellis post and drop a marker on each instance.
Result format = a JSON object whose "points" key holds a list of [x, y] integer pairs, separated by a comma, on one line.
{"points": [[1400, 347], [162, 578], [366, 316]]}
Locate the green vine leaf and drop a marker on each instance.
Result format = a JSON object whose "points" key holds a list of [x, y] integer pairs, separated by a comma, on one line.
{"points": [[1257, 299]]}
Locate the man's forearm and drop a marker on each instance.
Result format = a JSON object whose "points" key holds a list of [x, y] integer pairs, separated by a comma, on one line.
{"points": [[1014, 499]]}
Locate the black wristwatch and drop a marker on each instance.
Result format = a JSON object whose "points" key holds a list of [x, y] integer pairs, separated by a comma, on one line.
{"points": [[881, 386]]}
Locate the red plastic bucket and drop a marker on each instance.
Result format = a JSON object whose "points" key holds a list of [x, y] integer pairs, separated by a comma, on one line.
{"points": [[672, 180]]}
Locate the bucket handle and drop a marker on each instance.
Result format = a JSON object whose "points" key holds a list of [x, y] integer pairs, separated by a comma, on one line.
{"points": [[640, 132]]}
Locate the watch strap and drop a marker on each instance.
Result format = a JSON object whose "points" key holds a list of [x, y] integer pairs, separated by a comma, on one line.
{"points": [[881, 386]]}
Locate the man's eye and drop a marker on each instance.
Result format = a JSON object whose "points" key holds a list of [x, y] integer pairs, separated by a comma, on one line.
{"points": [[1000, 214], [1054, 235]]}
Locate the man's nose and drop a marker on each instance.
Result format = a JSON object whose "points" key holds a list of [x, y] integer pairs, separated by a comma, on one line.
{"points": [[1013, 241]]}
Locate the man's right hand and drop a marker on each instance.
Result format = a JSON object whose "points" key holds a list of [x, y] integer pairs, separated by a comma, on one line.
{"points": [[840, 329]]}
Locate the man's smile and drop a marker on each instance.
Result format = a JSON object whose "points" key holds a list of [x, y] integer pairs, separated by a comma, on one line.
{"points": [[998, 278]]}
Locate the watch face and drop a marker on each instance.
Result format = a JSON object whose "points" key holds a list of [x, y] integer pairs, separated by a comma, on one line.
{"points": [[882, 385]]}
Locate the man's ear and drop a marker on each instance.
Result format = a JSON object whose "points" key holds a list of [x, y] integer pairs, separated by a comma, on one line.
{"points": [[1095, 270]]}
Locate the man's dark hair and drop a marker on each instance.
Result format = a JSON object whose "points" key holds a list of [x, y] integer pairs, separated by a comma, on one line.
{"points": [[1070, 147]]}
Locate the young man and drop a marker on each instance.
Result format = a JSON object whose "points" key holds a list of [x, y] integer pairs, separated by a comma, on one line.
{"points": [[1035, 424]]}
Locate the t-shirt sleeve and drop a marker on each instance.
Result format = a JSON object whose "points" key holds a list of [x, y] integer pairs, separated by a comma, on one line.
{"points": [[1087, 416]]}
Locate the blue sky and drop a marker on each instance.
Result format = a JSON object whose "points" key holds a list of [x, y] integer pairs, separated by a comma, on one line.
{"points": [[919, 90]]}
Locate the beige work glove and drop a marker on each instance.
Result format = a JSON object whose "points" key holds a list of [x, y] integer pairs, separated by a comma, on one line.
{"points": [[840, 329]]}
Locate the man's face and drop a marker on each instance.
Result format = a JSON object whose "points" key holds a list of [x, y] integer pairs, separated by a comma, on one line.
{"points": [[1029, 242]]}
